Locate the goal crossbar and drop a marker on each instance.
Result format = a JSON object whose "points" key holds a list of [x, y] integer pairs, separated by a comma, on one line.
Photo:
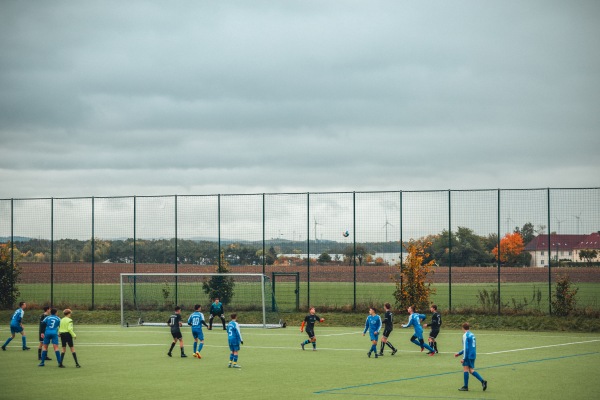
{"points": [[259, 278]]}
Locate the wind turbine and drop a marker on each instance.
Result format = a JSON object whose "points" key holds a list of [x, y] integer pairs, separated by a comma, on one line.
{"points": [[558, 221], [509, 221], [316, 223], [578, 218], [386, 229]]}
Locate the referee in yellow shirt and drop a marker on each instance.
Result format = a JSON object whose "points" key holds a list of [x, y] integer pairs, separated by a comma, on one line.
{"points": [[66, 336]]}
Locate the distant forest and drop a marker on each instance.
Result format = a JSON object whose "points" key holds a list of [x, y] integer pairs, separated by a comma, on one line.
{"points": [[463, 246]]}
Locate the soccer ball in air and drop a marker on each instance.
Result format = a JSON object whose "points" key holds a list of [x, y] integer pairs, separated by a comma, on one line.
{"points": [[346, 234]]}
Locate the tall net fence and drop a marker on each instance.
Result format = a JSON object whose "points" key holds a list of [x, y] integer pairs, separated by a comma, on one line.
{"points": [[346, 248]]}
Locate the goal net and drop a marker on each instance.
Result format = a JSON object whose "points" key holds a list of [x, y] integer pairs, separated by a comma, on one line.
{"points": [[149, 298]]}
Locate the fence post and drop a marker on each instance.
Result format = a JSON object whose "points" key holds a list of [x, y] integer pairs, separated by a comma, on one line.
{"points": [[52, 251], [498, 255], [176, 257], [12, 248], [134, 249], [263, 239], [308, 249], [219, 229], [93, 253], [549, 257], [401, 243], [354, 244], [449, 252]]}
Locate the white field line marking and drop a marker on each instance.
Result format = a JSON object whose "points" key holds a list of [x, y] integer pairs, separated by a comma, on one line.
{"points": [[541, 347]]}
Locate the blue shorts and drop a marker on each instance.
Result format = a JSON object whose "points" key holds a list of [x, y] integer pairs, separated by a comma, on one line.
{"points": [[16, 329], [234, 346], [51, 337], [373, 336], [469, 362], [198, 334]]}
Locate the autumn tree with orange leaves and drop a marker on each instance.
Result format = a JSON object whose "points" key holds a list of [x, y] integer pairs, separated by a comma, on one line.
{"points": [[511, 247], [414, 287]]}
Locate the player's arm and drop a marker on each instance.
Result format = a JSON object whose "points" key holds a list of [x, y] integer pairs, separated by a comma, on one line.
{"points": [[204, 323], [302, 326], [320, 319], [366, 326]]}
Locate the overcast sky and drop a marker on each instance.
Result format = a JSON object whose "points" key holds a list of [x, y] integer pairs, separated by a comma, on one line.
{"points": [[103, 98]]}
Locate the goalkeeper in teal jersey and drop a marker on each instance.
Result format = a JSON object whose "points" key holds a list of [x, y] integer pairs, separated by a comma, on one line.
{"points": [[216, 310], [16, 326], [414, 320], [196, 320], [469, 354], [51, 323], [373, 325], [234, 337]]}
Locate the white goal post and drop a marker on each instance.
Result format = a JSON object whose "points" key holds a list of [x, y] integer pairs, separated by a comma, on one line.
{"points": [[148, 298]]}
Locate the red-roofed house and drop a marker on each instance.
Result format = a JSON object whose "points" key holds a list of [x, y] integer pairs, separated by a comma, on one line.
{"points": [[591, 242], [562, 247]]}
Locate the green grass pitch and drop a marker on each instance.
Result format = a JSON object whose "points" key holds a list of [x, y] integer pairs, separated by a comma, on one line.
{"points": [[127, 363]]}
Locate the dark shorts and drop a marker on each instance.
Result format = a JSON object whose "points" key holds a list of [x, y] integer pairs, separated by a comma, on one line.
{"points": [[176, 334], [66, 339], [310, 333], [433, 334], [387, 332], [40, 336]]}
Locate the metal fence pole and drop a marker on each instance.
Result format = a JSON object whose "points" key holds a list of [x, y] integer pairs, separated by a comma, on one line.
{"points": [[93, 253], [264, 240], [449, 252], [549, 257], [12, 249], [308, 249], [219, 229], [498, 259], [52, 251], [401, 243], [176, 257], [134, 249], [354, 240]]}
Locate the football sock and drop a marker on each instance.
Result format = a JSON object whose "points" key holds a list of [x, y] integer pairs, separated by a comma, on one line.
{"points": [[7, 341], [58, 357], [230, 357], [181, 348], [476, 375], [171, 349], [39, 354], [374, 348], [44, 354], [466, 379], [75, 358], [62, 357], [382, 346], [391, 346], [416, 342], [200, 346], [195, 346], [24, 340], [428, 347], [314, 344], [435, 346], [306, 341]]}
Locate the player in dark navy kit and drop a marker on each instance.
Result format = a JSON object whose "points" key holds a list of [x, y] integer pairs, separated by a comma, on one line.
{"points": [[175, 323], [41, 335], [388, 327], [309, 322], [436, 323]]}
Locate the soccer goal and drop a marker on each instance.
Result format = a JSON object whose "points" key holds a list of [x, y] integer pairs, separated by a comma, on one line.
{"points": [[149, 298]]}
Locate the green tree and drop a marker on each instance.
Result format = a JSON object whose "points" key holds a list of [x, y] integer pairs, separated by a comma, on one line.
{"points": [[527, 232], [414, 287], [9, 277], [588, 255], [220, 286], [324, 258]]}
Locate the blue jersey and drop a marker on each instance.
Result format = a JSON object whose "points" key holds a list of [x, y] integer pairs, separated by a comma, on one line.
{"points": [[195, 320], [373, 324], [415, 320], [17, 317], [469, 349], [233, 333], [52, 324]]}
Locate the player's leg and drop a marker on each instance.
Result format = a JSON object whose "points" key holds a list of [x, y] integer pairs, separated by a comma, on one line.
{"points": [[56, 351], [235, 360], [479, 377], [426, 346], [12, 336], [181, 345], [210, 321], [383, 342], [44, 351], [465, 378], [74, 353], [389, 344], [223, 321], [24, 340], [195, 345], [172, 345]]}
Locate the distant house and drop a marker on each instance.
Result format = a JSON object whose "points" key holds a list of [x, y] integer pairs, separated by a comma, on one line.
{"points": [[591, 242], [562, 247]]}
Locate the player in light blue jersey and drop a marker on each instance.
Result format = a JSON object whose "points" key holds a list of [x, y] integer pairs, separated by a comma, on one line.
{"points": [[234, 336], [373, 325], [52, 323], [414, 320], [196, 320], [16, 326], [469, 353]]}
